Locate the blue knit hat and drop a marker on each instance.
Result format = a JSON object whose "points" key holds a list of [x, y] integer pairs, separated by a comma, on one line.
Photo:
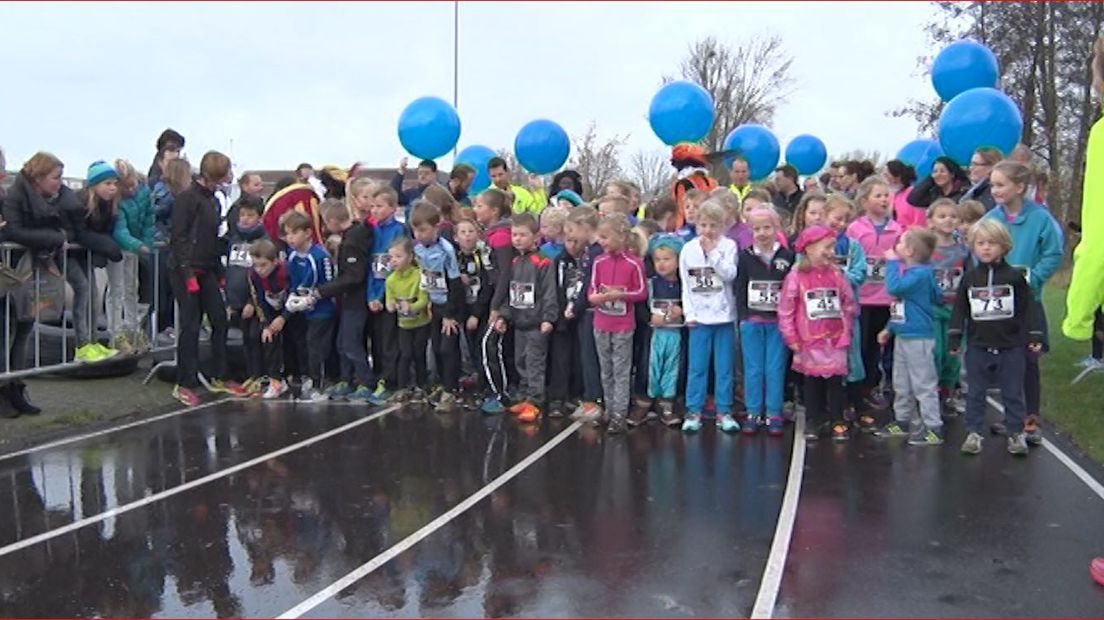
{"points": [[101, 171], [568, 195], [665, 240]]}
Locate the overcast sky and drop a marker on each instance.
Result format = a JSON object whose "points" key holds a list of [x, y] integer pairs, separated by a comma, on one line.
{"points": [[274, 84]]}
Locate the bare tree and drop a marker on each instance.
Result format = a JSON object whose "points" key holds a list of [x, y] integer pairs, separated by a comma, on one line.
{"points": [[875, 157], [517, 173], [596, 159], [652, 171]]}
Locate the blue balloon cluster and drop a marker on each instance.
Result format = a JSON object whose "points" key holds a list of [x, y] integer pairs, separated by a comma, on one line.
{"points": [[477, 156], [756, 145], [920, 154], [542, 146], [961, 66], [429, 127], [977, 118], [681, 112], [807, 154]]}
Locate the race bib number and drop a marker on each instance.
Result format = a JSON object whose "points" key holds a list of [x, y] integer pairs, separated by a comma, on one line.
{"points": [[992, 303], [408, 304], [434, 282], [617, 307], [763, 295], [474, 286], [522, 295], [239, 256], [948, 279], [704, 280], [823, 303], [487, 256], [381, 266], [897, 311], [664, 308], [875, 269]]}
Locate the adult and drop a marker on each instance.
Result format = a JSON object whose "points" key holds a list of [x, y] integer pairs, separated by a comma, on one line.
{"points": [[169, 145], [900, 177], [787, 191], [427, 175], [812, 184], [14, 400], [567, 179], [459, 183], [947, 180], [335, 179], [530, 199], [195, 260], [981, 164], [851, 174], [835, 170], [740, 178], [304, 172]]}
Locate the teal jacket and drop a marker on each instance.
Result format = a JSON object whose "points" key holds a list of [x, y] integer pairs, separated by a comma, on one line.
{"points": [[134, 224], [1037, 243]]}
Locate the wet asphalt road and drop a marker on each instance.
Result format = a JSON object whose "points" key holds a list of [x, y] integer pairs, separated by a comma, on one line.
{"points": [[653, 524]]}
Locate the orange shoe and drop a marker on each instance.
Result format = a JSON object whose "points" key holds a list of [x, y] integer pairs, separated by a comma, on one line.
{"points": [[530, 414], [519, 406]]}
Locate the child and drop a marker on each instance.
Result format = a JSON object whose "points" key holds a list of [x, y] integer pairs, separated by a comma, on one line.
{"points": [[994, 309], [641, 408], [707, 267], [350, 289], [969, 212], [552, 231], [406, 297], [582, 225], [762, 269], [667, 321], [949, 263], [309, 266], [92, 225], [239, 263], [876, 233], [911, 281], [441, 279], [565, 378], [617, 283], [664, 211], [1037, 249], [811, 211], [492, 212], [471, 253], [528, 307], [262, 322], [360, 199], [383, 323], [134, 233], [815, 316], [849, 256], [756, 198], [694, 199]]}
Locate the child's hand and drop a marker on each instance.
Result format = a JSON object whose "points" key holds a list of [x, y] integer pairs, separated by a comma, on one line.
{"points": [[142, 249], [473, 323], [465, 279], [597, 299], [247, 312], [658, 320], [674, 315], [883, 337], [795, 347], [1035, 347], [267, 335], [500, 326], [569, 313], [391, 306], [707, 244], [546, 328], [890, 254], [404, 307], [450, 327], [375, 306]]}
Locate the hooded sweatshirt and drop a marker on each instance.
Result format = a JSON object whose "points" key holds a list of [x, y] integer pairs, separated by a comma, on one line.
{"points": [[874, 243], [379, 267], [912, 315], [239, 264], [529, 298], [994, 309], [1037, 243], [816, 313], [618, 271], [352, 267]]}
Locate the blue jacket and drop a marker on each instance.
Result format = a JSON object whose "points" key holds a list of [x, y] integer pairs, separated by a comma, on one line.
{"points": [[306, 271], [386, 233], [916, 289], [440, 270], [134, 223], [163, 201], [1037, 243]]}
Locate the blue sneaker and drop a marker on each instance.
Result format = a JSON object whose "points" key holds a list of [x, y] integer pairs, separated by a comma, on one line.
{"points": [[492, 405], [775, 426], [379, 397], [727, 423], [692, 423], [361, 395], [750, 425], [339, 391]]}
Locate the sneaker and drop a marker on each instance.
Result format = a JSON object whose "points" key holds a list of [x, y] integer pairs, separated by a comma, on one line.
{"points": [[1089, 362], [339, 391], [313, 395], [530, 415], [141, 342], [956, 403], [555, 409], [1017, 444], [446, 403], [275, 389], [893, 429], [519, 406], [122, 344], [435, 395], [418, 395], [638, 415], [380, 397], [998, 428], [839, 432], [875, 401], [750, 425], [186, 396], [1096, 569], [400, 397], [492, 405], [360, 395], [812, 433], [726, 423], [789, 411], [868, 424], [88, 354], [775, 426], [218, 386], [926, 438], [381, 391], [1031, 430], [587, 411], [692, 423], [972, 445], [667, 413], [617, 425]]}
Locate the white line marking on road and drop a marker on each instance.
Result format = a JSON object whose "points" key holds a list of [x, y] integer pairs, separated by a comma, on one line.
{"points": [[780, 548], [428, 529], [76, 525]]}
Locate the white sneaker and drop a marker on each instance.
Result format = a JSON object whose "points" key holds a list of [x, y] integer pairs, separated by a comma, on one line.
{"points": [[275, 389], [313, 396]]}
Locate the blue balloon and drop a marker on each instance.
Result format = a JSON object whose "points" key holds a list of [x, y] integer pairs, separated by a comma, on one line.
{"points": [[963, 65], [806, 153], [429, 127], [477, 157], [681, 112], [920, 154], [979, 117], [542, 146], [756, 145]]}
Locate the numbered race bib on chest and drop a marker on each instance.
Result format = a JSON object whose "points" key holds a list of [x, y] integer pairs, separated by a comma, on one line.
{"points": [[897, 311], [875, 269], [239, 256], [993, 303], [823, 303], [664, 307], [573, 284], [474, 286], [381, 266], [434, 282], [523, 295], [617, 307], [948, 279], [408, 313], [704, 280], [763, 295]]}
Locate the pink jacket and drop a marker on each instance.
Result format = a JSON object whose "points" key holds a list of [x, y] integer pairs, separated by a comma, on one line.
{"points": [[874, 245], [906, 215], [621, 270], [809, 299]]}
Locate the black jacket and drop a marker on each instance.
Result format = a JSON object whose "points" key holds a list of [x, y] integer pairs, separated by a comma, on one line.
{"points": [[194, 242], [983, 193], [1023, 327], [569, 284], [38, 224], [352, 263], [752, 268], [926, 192], [537, 275], [239, 263], [93, 230], [478, 288]]}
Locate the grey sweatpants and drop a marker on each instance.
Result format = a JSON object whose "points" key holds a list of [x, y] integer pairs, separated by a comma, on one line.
{"points": [[915, 379], [615, 358], [531, 359]]}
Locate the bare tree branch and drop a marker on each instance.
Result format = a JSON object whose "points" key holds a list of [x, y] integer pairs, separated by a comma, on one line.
{"points": [[597, 160], [652, 171]]}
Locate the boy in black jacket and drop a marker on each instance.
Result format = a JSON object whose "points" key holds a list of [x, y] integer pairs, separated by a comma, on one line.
{"points": [[267, 283], [350, 289], [471, 255], [239, 263], [996, 310], [565, 377]]}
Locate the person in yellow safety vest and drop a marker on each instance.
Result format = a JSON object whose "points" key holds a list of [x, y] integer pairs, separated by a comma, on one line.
{"points": [[530, 199], [739, 177]]}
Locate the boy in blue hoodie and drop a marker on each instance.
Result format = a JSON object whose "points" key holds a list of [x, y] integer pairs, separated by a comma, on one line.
{"points": [[911, 281], [383, 325], [308, 267]]}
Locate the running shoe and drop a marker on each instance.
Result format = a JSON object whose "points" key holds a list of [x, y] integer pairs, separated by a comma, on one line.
{"points": [[692, 423], [186, 396], [972, 445]]}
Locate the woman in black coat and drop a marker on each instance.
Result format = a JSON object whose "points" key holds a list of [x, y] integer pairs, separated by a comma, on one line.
{"points": [[947, 180]]}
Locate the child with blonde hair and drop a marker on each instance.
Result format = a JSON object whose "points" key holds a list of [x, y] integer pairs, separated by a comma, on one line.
{"points": [[134, 232]]}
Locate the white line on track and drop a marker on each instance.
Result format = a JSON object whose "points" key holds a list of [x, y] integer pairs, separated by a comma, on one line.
{"points": [[118, 510], [780, 548], [428, 529]]}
